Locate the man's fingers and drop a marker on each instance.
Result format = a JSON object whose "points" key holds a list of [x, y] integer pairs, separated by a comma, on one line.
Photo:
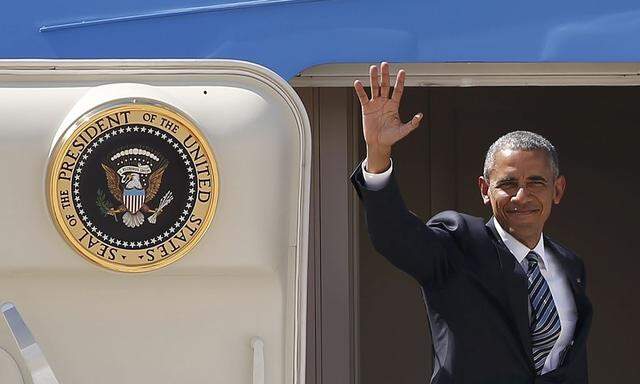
{"points": [[362, 94], [384, 90], [375, 85], [399, 87], [409, 126]]}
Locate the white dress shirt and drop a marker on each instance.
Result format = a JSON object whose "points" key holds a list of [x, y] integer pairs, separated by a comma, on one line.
{"points": [[550, 269]]}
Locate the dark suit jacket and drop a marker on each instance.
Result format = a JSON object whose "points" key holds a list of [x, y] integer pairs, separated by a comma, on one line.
{"points": [[476, 292]]}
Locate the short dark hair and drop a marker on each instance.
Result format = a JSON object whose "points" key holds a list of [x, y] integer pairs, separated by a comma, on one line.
{"points": [[524, 141]]}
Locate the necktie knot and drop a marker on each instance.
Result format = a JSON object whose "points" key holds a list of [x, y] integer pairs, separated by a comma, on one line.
{"points": [[532, 259]]}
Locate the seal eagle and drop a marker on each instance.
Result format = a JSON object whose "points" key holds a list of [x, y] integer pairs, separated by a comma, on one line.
{"points": [[127, 188]]}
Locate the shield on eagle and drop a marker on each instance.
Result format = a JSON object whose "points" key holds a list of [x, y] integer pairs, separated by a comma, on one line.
{"points": [[133, 199]]}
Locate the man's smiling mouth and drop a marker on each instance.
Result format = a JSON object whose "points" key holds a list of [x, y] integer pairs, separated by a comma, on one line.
{"points": [[521, 212]]}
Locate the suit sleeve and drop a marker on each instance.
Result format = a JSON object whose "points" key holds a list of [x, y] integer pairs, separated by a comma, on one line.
{"points": [[425, 251]]}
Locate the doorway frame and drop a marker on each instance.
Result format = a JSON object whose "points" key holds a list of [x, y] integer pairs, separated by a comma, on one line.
{"points": [[335, 152]]}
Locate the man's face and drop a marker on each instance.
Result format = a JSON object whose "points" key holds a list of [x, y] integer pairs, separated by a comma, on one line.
{"points": [[521, 190]]}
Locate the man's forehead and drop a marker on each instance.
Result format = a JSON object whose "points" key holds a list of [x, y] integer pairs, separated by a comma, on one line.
{"points": [[518, 163]]}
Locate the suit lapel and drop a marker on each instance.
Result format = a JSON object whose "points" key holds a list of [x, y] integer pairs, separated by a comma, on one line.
{"points": [[515, 284], [583, 305]]}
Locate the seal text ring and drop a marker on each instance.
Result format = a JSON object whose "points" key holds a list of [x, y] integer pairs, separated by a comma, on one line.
{"points": [[133, 186]]}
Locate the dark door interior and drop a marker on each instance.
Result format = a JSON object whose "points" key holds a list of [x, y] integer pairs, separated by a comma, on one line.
{"points": [[595, 130]]}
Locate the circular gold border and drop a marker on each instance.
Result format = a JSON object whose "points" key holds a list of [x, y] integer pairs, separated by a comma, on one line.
{"points": [[75, 129]]}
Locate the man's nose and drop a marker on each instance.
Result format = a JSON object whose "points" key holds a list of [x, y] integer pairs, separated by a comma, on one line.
{"points": [[521, 195]]}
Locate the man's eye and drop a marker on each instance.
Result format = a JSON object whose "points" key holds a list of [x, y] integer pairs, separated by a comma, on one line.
{"points": [[507, 185]]}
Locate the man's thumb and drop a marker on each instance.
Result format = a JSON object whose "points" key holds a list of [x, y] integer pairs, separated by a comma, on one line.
{"points": [[411, 124]]}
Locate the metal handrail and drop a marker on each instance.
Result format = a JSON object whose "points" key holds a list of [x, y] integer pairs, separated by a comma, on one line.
{"points": [[36, 362], [258, 360]]}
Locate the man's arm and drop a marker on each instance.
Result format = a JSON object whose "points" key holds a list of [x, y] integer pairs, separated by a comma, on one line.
{"points": [[427, 252]]}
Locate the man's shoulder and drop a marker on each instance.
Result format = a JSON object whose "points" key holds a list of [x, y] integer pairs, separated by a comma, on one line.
{"points": [[564, 251], [455, 220], [470, 233], [571, 262], [461, 226]]}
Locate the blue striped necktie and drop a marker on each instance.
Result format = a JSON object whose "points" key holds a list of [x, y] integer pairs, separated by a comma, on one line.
{"points": [[545, 323]]}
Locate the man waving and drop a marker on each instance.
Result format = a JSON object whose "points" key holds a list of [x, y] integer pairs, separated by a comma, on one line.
{"points": [[506, 303]]}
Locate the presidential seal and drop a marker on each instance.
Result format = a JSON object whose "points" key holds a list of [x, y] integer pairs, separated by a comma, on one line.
{"points": [[132, 186]]}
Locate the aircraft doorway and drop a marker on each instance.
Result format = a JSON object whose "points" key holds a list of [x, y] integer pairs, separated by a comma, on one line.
{"points": [[382, 322]]}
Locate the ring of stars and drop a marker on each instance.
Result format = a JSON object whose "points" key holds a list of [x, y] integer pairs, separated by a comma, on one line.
{"points": [[160, 237]]}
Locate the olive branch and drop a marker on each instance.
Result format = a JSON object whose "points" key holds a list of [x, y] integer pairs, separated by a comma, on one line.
{"points": [[103, 204]]}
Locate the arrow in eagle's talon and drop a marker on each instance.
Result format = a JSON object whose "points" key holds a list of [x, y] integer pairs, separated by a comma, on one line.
{"points": [[166, 199]]}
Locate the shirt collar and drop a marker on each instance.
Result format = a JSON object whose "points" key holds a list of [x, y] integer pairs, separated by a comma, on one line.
{"points": [[519, 250]]}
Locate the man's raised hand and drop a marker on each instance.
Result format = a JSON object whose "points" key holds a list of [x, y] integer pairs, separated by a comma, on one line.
{"points": [[381, 122]]}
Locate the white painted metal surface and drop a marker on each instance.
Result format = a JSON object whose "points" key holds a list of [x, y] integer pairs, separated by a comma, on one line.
{"points": [[191, 322], [9, 371]]}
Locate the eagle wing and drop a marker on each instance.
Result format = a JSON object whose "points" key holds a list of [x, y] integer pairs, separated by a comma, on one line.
{"points": [[113, 182], [154, 183]]}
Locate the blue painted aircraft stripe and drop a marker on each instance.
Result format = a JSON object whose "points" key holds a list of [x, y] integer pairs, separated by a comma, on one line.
{"points": [[173, 12]]}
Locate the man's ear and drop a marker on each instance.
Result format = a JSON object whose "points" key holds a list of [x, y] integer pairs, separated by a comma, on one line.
{"points": [[559, 187], [484, 190]]}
